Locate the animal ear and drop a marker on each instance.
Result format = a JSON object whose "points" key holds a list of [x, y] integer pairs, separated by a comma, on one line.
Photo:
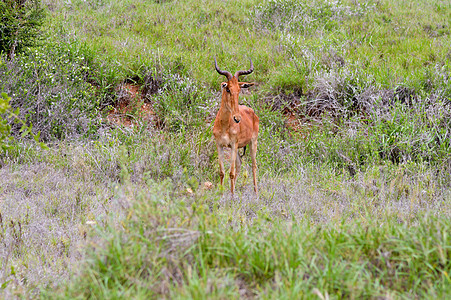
{"points": [[245, 85], [224, 85]]}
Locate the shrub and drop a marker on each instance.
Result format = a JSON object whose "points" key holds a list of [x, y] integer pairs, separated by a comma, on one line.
{"points": [[50, 85], [7, 113], [19, 25], [5, 128]]}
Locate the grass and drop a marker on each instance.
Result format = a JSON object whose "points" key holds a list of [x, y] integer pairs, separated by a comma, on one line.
{"points": [[392, 42], [382, 232], [355, 198], [291, 242], [45, 220]]}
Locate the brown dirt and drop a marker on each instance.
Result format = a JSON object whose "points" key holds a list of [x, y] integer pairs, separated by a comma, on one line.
{"points": [[289, 106], [131, 107], [296, 124]]}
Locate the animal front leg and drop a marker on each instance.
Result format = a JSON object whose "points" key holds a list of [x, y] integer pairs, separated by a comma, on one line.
{"points": [[221, 163], [233, 166], [238, 166]]}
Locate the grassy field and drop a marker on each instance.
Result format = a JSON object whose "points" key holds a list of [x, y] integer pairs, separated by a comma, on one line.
{"points": [[354, 152]]}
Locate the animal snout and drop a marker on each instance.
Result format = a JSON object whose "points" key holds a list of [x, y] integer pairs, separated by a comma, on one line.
{"points": [[237, 119]]}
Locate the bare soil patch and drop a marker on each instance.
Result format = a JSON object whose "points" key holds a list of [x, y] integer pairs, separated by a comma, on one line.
{"points": [[132, 107]]}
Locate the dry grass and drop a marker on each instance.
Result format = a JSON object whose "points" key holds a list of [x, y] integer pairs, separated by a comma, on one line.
{"points": [[48, 215], [49, 208]]}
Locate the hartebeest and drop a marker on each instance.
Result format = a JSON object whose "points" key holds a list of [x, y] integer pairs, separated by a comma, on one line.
{"points": [[236, 126]]}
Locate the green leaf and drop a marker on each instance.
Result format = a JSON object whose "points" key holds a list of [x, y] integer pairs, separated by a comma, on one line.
{"points": [[36, 137], [4, 284]]}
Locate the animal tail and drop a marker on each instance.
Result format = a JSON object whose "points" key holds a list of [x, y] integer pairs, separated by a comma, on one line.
{"points": [[244, 151]]}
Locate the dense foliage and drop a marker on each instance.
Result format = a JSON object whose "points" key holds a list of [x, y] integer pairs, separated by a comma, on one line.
{"points": [[5, 128], [51, 86], [19, 25]]}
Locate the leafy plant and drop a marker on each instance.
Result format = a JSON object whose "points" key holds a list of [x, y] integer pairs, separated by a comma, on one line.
{"points": [[6, 112], [19, 25], [50, 85], [5, 128]]}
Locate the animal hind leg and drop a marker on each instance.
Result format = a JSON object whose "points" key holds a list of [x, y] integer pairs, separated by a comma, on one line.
{"points": [[253, 150]]}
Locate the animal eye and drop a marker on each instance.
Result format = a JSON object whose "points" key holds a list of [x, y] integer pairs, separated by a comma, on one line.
{"points": [[227, 89]]}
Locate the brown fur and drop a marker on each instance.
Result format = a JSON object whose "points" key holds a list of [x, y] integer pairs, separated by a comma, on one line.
{"points": [[230, 133]]}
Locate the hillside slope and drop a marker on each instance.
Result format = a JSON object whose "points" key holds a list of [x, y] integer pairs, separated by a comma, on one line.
{"points": [[354, 152]]}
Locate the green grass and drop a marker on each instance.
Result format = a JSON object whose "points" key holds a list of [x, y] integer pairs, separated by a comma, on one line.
{"points": [[202, 246], [313, 228], [392, 42], [355, 202]]}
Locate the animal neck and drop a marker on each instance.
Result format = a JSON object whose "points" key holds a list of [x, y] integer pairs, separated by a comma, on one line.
{"points": [[229, 105], [225, 113]]}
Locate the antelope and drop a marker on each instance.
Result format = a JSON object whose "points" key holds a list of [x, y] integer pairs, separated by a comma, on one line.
{"points": [[235, 126]]}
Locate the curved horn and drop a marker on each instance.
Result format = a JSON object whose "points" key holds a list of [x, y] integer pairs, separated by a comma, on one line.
{"points": [[239, 73], [225, 73]]}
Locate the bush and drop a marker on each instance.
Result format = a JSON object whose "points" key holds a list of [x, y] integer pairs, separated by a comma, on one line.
{"points": [[5, 128], [50, 86], [6, 114], [19, 25]]}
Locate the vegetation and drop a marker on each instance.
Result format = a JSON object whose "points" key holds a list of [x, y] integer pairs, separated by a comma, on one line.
{"points": [[19, 25], [354, 101], [51, 86]]}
